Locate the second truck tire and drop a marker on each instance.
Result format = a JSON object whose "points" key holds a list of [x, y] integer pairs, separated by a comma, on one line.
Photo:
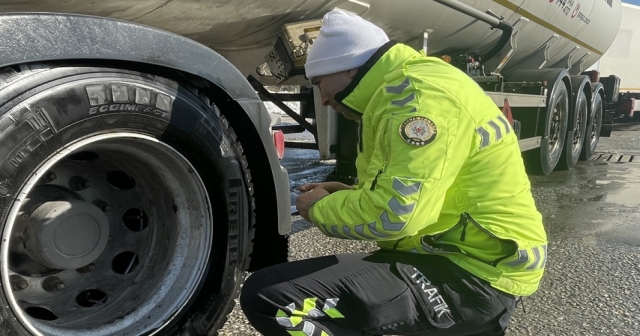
{"points": [[594, 124], [577, 125]]}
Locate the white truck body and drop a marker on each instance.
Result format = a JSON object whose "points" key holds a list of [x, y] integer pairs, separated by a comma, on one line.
{"points": [[623, 57]]}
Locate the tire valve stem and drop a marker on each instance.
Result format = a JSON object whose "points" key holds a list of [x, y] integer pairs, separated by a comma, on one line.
{"points": [[78, 183], [102, 205], [52, 284], [18, 283], [87, 269]]}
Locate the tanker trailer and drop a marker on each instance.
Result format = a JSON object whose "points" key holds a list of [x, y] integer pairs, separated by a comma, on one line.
{"points": [[529, 56], [139, 177]]}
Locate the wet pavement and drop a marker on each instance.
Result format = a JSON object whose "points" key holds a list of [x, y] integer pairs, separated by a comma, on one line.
{"points": [[597, 198], [592, 216]]}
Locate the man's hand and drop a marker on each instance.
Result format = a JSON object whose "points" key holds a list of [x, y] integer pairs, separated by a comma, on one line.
{"points": [[331, 187], [305, 200]]}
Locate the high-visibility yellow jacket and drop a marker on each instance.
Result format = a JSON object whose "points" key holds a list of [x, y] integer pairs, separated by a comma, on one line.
{"points": [[439, 172]]}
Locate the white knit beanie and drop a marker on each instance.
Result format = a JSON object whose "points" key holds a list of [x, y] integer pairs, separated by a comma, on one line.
{"points": [[345, 41]]}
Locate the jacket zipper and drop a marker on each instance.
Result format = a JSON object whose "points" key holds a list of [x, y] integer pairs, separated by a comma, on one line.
{"points": [[375, 180], [462, 221], [463, 234], [385, 158], [360, 136], [470, 219]]}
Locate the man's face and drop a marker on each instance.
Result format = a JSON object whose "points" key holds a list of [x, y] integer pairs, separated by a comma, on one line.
{"points": [[331, 84]]}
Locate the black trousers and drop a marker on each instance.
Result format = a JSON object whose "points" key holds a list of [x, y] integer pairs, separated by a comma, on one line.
{"points": [[381, 293]]}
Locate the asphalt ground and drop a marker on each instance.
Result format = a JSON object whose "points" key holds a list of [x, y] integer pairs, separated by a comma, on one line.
{"points": [[592, 280]]}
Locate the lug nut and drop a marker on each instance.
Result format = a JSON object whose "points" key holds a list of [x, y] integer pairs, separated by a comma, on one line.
{"points": [[78, 183], [52, 284], [18, 283], [50, 176], [87, 269], [104, 206]]}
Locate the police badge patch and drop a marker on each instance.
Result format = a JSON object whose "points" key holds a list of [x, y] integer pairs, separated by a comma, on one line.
{"points": [[418, 131]]}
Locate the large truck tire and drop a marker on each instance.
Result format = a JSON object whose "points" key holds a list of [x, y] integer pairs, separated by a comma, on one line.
{"points": [[577, 125], [594, 123], [553, 124], [125, 204], [552, 120]]}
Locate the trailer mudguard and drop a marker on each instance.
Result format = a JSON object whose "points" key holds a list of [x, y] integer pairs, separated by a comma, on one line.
{"points": [[45, 37]]}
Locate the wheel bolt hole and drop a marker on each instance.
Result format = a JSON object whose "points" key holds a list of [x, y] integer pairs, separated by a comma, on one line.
{"points": [[41, 313], [91, 298], [135, 220], [121, 180], [84, 156], [125, 262]]}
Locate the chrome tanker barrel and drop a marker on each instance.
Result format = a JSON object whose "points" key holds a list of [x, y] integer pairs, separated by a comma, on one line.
{"points": [[557, 33], [546, 33]]}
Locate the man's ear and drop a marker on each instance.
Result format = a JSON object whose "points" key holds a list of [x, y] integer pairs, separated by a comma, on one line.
{"points": [[352, 73]]}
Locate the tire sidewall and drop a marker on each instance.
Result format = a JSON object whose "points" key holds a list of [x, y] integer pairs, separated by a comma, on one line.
{"points": [[570, 156], [596, 112], [558, 92], [67, 104], [585, 119]]}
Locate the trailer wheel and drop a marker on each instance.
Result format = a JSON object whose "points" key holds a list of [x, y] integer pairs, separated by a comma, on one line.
{"points": [[576, 134], [594, 123], [125, 204], [554, 125]]}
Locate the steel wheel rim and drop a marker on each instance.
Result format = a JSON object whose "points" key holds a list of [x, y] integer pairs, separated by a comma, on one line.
{"points": [[172, 253], [555, 128], [580, 122], [597, 114]]}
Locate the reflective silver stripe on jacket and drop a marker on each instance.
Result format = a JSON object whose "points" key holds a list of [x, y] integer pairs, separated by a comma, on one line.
{"points": [[530, 259]]}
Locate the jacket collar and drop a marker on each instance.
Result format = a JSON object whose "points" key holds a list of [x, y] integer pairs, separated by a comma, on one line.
{"points": [[391, 56]]}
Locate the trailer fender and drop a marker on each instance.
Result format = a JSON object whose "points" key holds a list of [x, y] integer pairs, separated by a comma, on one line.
{"points": [[550, 76], [46, 37]]}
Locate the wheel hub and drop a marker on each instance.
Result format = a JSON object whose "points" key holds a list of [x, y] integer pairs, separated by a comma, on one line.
{"points": [[66, 234], [87, 245]]}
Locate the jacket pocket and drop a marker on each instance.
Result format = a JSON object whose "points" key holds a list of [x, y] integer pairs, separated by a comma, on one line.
{"points": [[454, 240]]}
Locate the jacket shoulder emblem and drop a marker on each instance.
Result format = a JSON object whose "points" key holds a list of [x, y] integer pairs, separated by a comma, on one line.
{"points": [[418, 131]]}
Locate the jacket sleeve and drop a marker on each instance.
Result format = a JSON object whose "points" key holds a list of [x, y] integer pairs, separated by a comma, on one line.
{"points": [[420, 148]]}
